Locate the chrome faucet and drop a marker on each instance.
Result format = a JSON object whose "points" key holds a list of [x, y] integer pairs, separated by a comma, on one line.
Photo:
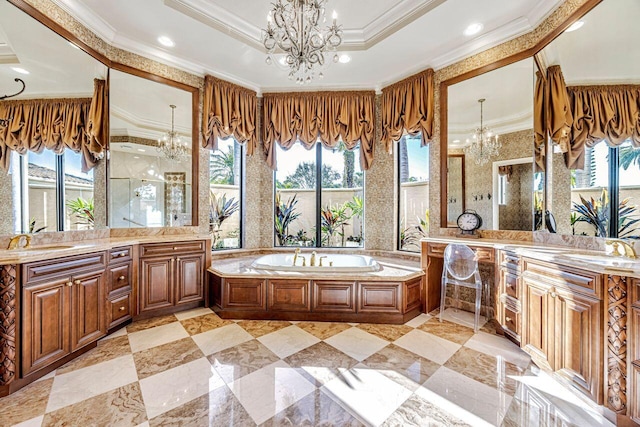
{"points": [[324, 256], [616, 244], [312, 261], [14, 243], [295, 256]]}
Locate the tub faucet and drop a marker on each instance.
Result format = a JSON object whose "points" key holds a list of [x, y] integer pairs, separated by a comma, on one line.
{"points": [[295, 256], [304, 261], [324, 256], [14, 243], [312, 261], [617, 244]]}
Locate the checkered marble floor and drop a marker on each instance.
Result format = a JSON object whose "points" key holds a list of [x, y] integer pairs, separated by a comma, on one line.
{"points": [[196, 369]]}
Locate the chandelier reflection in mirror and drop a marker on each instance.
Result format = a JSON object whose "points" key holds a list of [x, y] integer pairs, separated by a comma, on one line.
{"points": [[483, 143], [293, 28], [171, 145]]}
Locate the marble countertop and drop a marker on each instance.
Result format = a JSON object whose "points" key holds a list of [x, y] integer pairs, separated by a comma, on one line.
{"points": [[63, 249], [591, 260], [392, 268]]}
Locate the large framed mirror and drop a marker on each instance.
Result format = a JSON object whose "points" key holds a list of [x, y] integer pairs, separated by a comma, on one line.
{"points": [[593, 154], [489, 136], [152, 165], [46, 189]]}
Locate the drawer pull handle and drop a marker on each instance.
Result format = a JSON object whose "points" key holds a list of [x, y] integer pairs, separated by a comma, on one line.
{"points": [[177, 259], [121, 278], [122, 308], [553, 295], [508, 319], [77, 282], [69, 283], [175, 248], [121, 254]]}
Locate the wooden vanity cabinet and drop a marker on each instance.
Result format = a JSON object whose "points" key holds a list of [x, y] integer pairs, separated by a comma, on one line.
{"points": [[171, 275], [563, 319], [120, 286], [63, 308], [509, 294]]}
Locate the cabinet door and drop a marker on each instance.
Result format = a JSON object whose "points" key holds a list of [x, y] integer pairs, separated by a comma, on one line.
{"points": [[578, 332], [45, 332], [189, 278], [88, 320], [538, 329], [378, 298], [245, 294], [289, 295], [156, 283], [334, 296]]}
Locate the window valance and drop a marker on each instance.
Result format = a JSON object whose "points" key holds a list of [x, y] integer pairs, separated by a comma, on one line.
{"points": [[229, 110], [330, 117], [408, 105], [55, 124]]}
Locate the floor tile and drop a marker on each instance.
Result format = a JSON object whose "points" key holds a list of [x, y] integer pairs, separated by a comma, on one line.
{"points": [[418, 412], [322, 361], [490, 370], [288, 340], [91, 381], [33, 422], [268, 391], [447, 330], [221, 338], [357, 343], [316, 409], [428, 346], [367, 394], [494, 345], [476, 401], [461, 317], [199, 324], [242, 359], [196, 312], [386, 332], [166, 356], [404, 367], [120, 407], [323, 330], [258, 328], [141, 325], [159, 335], [106, 350], [119, 333], [219, 407], [418, 320], [175, 387], [27, 403]]}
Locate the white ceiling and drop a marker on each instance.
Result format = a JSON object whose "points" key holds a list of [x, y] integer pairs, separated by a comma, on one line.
{"points": [[387, 39]]}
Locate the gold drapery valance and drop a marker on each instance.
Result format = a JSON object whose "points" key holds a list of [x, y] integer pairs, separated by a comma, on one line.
{"points": [[609, 113], [327, 116], [558, 110], [229, 110], [55, 124], [408, 105], [539, 121], [506, 171]]}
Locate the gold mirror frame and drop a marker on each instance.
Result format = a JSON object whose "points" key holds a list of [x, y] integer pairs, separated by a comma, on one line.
{"points": [[444, 87], [195, 93]]}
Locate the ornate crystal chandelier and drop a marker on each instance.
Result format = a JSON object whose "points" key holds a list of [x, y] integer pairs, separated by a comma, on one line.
{"points": [[483, 143], [171, 145], [292, 27]]}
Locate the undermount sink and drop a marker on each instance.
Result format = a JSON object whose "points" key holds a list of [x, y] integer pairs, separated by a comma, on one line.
{"points": [[46, 248]]}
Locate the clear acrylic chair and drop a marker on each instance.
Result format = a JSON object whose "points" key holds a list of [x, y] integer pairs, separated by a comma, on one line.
{"points": [[461, 269]]}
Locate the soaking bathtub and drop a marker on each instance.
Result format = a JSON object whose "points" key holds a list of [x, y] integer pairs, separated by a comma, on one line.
{"points": [[331, 263]]}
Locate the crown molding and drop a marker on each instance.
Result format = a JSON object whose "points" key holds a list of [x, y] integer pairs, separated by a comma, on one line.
{"points": [[87, 18], [516, 122]]}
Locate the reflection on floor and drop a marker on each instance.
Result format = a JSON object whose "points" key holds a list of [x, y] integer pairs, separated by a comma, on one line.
{"points": [[195, 369]]}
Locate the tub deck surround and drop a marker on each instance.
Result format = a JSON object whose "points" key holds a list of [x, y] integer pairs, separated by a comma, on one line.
{"points": [[389, 295], [574, 311], [58, 299]]}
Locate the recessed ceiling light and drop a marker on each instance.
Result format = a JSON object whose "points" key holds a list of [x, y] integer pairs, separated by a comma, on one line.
{"points": [[142, 150], [344, 58], [472, 29], [20, 70], [576, 25], [136, 157], [166, 41]]}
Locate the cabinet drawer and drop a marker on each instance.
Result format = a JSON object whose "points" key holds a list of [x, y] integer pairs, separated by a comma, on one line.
{"points": [[62, 267], [121, 254], [484, 254], [379, 298], [177, 248], [635, 292], [120, 278], [289, 295], [587, 283], [120, 310], [510, 283], [511, 320], [510, 260], [436, 249]]}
